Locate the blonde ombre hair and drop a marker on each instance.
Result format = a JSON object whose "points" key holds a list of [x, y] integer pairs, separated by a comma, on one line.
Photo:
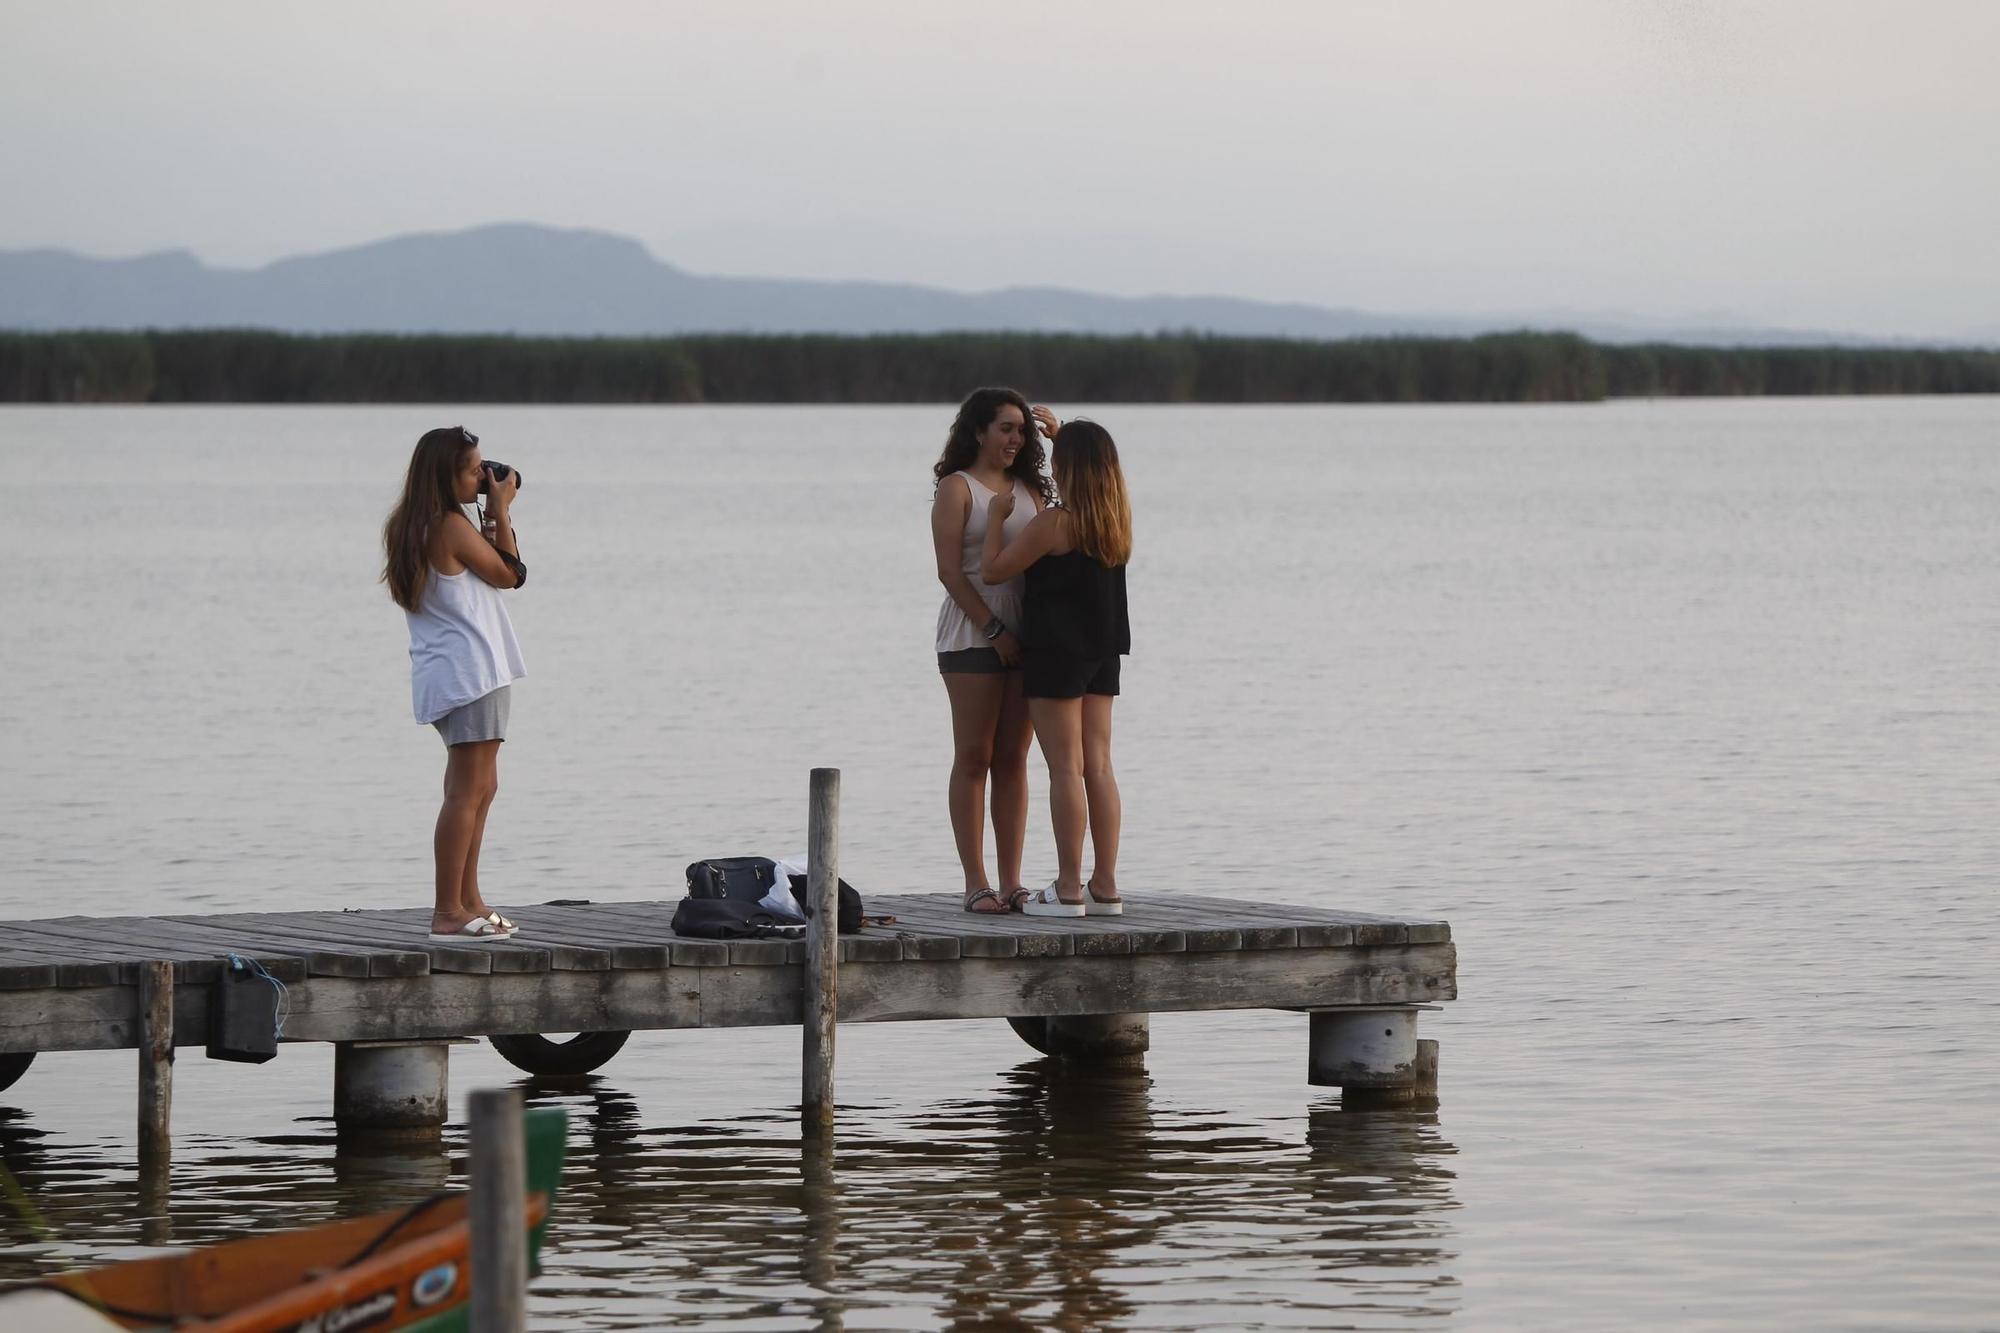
{"points": [[1085, 463]]}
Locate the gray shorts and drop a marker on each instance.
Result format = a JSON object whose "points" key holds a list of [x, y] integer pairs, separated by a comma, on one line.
{"points": [[484, 719]]}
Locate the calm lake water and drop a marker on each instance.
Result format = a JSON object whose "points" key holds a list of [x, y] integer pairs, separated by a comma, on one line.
{"points": [[1683, 714]]}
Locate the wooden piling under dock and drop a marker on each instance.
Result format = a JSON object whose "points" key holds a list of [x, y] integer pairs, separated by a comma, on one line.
{"points": [[156, 1065]]}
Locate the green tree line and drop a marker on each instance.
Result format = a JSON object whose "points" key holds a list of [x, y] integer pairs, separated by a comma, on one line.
{"points": [[253, 366]]}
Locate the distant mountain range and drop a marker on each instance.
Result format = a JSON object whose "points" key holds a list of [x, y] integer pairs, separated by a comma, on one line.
{"points": [[526, 279]]}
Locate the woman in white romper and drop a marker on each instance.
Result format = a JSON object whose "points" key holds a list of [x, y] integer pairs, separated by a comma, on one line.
{"points": [[992, 447], [447, 576]]}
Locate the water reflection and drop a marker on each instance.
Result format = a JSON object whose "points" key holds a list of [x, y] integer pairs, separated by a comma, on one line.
{"points": [[377, 1176], [1057, 1198], [22, 1151], [98, 1205], [1382, 1185], [1054, 1198]]}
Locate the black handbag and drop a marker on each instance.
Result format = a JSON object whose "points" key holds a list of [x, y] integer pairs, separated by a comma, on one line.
{"points": [[734, 919], [744, 878]]}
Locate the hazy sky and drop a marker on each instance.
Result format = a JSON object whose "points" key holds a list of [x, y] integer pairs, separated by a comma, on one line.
{"points": [[1810, 163]]}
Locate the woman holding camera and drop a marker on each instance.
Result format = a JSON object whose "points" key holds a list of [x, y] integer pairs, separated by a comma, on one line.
{"points": [[992, 450], [1075, 629], [447, 576]]}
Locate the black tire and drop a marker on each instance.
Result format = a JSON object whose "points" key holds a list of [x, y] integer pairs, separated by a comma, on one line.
{"points": [[1034, 1031], [581, 1054], [12, 1067]]}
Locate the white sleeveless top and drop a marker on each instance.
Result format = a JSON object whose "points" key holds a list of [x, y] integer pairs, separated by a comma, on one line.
{"points": [[954, 632], [462, 644]]}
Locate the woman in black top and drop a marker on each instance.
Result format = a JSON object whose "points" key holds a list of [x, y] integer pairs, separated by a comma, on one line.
{"points": [[1074, 631]]}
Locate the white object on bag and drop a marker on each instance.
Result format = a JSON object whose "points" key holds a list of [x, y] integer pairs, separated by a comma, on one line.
{"points": [[780, 898]]}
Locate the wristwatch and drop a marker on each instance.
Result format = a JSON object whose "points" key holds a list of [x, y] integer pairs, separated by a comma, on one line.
{"points": [[995, 628]]}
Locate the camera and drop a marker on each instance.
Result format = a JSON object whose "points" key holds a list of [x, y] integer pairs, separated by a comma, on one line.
{"points": [[498, 472]]}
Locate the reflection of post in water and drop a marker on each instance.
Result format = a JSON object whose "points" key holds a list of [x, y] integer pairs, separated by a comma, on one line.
{"points": [[156, 1220], [376, 1173], [622, 1177], [1067, 1144], [1384, 1186], [614, 1162], [820, 1203], [30, 1212]]}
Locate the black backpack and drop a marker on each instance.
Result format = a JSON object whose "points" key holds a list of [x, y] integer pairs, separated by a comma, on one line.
{"points": [[846, 917]]}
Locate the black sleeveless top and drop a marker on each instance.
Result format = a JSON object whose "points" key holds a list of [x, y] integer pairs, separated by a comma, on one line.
{"points": [[1075, 608]]}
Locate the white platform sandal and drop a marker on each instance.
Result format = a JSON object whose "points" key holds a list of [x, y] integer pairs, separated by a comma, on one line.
{"points": [[476, 931], [1047, 902]]}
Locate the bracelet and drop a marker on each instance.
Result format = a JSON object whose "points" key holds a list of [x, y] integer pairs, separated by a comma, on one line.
{"points": [[995, 628]]}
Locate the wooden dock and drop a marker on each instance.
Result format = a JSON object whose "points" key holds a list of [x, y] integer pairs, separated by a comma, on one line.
{"points": [[370, 981]]}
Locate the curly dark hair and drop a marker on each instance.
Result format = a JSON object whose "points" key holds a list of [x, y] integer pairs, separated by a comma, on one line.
{"points": [[975, 414]]}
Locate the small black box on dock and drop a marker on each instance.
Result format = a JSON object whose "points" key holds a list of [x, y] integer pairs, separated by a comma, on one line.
{"points": [[243, 1014]]}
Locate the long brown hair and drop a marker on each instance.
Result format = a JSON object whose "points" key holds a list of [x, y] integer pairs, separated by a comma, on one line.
{"points": [[429, 493], [1093, 492], [975, 414]]}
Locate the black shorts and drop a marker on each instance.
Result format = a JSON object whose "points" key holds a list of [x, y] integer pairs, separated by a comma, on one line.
{"points": [[1067, 677], [973, 662]]}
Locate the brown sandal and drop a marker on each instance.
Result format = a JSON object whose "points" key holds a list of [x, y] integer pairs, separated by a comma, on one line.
{"points": [[971, 899], [1018, 899]]}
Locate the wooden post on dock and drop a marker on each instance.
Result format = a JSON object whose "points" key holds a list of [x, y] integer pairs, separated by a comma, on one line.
{"points": [[499, 1179], [822, 997], [156, 1067]]}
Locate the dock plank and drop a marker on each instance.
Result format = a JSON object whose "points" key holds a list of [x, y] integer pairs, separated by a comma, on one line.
{"points": [[1089, 936], [1033, 938], [21, 972], [922, 939], [350, 929], [83, 957], [284, 963], [914, 946], [1310, 928], [1247, 932], [653, 922], [359, 927], [626, 954], [400, 959], [1364, 929], [647, 921], [73, 968], [319, 962], [870, 949], [647, 913], [658, 918], [556, 956], [766, 953], [325, 956], [1315, 928]]}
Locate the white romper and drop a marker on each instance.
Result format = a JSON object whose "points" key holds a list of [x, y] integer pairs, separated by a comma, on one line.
{"points": [[955, 633]]}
